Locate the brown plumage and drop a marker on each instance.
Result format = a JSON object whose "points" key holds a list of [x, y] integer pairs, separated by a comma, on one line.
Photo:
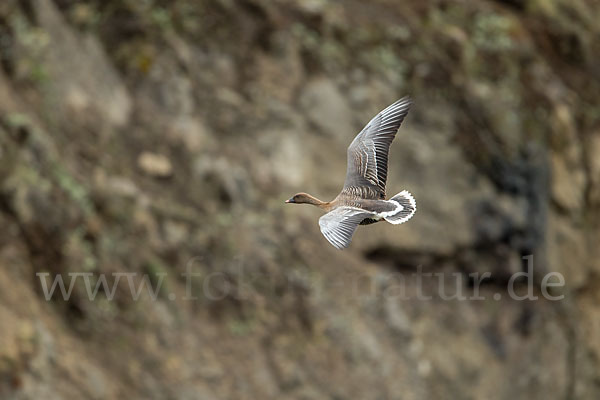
{"points": [[362, 199]]}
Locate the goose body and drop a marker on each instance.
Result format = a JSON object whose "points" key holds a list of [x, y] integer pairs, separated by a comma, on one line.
{"points": [[362, 200]]}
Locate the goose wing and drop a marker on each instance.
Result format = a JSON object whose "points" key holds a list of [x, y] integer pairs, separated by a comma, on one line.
{"points": [[368, 152], [339, 225]]}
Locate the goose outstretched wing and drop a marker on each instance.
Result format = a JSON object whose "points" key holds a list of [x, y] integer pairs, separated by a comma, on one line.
{"points": [[339, 225], [368, 152]]}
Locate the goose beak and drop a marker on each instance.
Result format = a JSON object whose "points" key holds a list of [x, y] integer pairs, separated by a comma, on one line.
{"points": [[290, 200]]}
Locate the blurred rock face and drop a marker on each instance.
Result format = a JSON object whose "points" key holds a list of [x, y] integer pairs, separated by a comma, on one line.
{"points": [[158, 138]]}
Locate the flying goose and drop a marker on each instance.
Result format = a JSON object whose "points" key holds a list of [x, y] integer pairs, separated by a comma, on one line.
{"points": [[362, 200]]}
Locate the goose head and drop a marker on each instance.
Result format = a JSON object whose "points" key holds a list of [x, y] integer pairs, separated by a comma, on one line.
{"points": [[304, 198]]}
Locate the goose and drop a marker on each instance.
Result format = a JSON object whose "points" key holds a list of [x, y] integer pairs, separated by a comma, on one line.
{"points": [[362, 200]]}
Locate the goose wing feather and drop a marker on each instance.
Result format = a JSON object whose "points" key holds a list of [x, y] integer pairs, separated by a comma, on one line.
{"points": [[368, 152], [338, 226]]}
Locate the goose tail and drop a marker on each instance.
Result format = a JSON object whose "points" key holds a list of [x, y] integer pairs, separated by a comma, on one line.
{"points": [[405, 210]]}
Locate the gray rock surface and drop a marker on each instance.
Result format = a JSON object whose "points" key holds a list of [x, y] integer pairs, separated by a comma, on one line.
{"points": [[156, 137]]}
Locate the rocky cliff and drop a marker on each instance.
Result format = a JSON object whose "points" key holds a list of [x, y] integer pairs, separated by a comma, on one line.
{"points": [[157, 138]]}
